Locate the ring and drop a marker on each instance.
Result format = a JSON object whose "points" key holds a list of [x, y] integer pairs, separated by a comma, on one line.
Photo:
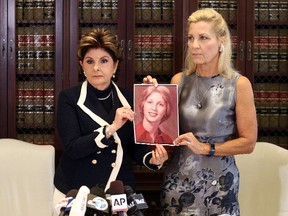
{"points": [[124, 112], [188, 143], [158, 160]]}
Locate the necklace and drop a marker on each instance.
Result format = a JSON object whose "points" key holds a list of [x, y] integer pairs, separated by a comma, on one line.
{"points": [[199, 105], [101, 99]]}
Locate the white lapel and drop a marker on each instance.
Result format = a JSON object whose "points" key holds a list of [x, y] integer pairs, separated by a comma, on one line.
{"points": [[102, 122]]}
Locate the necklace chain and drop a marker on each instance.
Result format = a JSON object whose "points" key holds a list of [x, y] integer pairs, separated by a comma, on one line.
{"points": [[101, 99], [199, 104]]}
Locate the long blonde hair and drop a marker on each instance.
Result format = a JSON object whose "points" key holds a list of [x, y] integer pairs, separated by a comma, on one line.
{"points": [[225, 66]]}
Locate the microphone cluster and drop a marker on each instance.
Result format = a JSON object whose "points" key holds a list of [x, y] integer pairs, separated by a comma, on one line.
{"points": [[119, 200]]}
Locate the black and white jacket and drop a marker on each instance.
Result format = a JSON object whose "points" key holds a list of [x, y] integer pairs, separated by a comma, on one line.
{"points": [[88, 157]]}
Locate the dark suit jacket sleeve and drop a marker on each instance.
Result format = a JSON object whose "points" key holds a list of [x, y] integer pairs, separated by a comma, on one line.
{"points": [[75, 144]]}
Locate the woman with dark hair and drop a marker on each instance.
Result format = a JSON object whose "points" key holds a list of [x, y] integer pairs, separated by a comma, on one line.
{"points": [[94, 122], [155, 107]]}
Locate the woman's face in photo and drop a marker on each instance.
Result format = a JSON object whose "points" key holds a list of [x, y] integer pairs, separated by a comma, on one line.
{"points": [[154, 107]]}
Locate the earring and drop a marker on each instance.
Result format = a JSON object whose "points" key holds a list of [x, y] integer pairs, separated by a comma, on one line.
{"points": [[84, 73], [221, 48], [113, 76]]}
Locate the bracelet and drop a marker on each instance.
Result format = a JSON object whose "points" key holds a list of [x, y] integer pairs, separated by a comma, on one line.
{"points": [[212, 148], [107, 131]]}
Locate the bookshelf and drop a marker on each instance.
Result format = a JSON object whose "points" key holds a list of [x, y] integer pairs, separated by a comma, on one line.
{"points": [[270, 73], [39, 41]]}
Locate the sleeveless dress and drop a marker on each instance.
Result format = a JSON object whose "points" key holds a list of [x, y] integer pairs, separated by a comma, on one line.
{"points": [[199, 185]]}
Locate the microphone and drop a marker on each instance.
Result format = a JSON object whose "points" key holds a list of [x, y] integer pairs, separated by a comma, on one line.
{"points": [[136, 202], [62, 204], [97, 203], [118, 197], [79, 205]]}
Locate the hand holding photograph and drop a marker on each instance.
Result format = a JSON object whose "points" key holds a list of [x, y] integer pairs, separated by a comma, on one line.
{"points": [[156, 114]]}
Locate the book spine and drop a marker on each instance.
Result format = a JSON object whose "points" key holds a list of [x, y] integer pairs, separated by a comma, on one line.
{"points": [[86, 10], [49, 48], [167, 51], [138, 9], [19, 9], [49, 9], [156, 12], [39, 44], [283, 11], [143, 50], [96, 11], [146, 10], [35, 104], [20, 54], [28, 9], [167, 9], [114, 5], [38, 11], [106, 9]]}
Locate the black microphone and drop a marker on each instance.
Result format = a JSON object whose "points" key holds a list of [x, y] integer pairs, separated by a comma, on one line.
{"points": [[63, 204], [97, 203], [118, 198], [136, 202]]}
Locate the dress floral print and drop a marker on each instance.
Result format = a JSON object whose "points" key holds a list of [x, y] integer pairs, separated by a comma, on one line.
{"points": [[200, 188], [199, 185]]}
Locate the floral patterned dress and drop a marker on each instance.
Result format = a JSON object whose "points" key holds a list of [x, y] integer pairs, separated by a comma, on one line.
{"points": [[199, 185]]}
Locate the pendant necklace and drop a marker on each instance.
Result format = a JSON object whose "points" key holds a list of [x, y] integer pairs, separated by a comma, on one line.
{"points": [[199, 105]]}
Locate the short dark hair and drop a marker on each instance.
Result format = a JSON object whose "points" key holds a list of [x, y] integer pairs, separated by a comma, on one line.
{"points": [[100, 38]]}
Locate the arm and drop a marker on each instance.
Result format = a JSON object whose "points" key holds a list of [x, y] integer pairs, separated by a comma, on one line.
{"points": [[246, 122]]}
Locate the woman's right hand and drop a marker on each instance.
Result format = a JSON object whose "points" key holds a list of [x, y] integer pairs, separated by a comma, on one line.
{"points": [[122, 115], [149, 80]]}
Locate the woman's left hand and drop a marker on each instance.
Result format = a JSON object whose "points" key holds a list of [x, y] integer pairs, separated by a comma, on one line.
{"points": [[159, 155], [189, 140]]}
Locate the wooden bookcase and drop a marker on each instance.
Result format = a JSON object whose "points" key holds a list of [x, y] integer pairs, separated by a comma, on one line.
{"points": [[39, 44]]}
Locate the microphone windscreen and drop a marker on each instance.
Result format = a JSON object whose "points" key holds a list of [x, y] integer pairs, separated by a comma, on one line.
{"points": [[116, 187], [128, 190], [96, 190], [72, 193]]}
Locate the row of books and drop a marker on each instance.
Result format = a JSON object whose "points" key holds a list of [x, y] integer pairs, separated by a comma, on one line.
{"points": [[98, 10], [271, 11], [271, 98], [35, 9], [264, 10], [147, 9], [272, 117], [153, 50], [160, 63], [154, 9], [270, 50], [35, 119], [271, 87], [144, 9], [35, 105], [35, 48], [271, 62], [228, 9], [280, 140], [44, 139]]}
